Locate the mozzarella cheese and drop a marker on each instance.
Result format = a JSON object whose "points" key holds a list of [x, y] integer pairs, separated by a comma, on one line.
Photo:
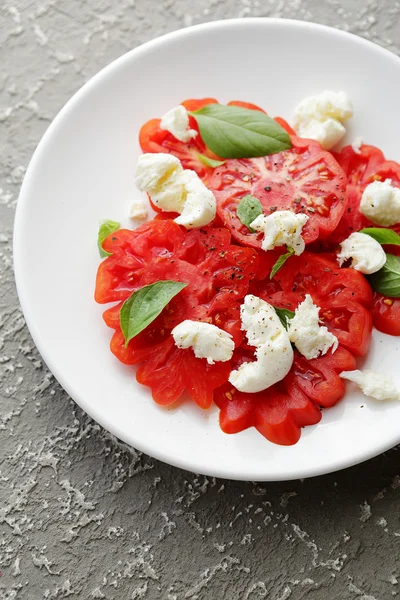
{"points": [[365, 253], [175, 189], [310, 339], [321, 117], [380, 203], [281, 228], [207, 341], [176, 121], [138, 210], [274, 353], [375, 385], [356, 145]]}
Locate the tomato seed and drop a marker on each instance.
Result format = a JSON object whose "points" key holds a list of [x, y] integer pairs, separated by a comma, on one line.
{"points": [[388, 302]]}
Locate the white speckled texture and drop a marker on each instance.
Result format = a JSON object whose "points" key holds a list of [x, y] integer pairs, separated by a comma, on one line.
{"points": [[81, 514]]}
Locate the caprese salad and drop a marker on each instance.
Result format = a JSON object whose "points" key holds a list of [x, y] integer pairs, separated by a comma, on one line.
{"points": [[269, 259]]}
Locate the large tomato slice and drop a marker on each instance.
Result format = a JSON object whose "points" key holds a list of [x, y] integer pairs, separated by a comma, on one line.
{"points": [[361, 169], [218, 276], [386, 314], [279, 412], [304, 179], [343, 295]]}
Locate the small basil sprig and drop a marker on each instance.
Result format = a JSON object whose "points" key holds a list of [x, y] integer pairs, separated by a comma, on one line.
{"points": [[383, 235], [280, 262], [235, 132], [144, 305], [106, 227], [284, 315], [249, 208], [386, 281], [209, 162]]}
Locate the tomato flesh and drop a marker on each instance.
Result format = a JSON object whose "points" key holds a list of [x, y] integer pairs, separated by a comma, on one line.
{"points": [[304, 179], [218, 275]]}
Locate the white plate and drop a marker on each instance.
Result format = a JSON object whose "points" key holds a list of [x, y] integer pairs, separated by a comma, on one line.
{"points": [[82, 173]]}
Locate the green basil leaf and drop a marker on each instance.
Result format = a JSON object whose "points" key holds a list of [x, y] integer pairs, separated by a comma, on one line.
{"points": [[144, 305], [284, 315], [106, 227], [249, 208], [382, 235], [386, 281], [209, 162], [280, 262], [235, 132]]}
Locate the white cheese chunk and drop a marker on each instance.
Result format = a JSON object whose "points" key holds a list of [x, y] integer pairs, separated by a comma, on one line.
{"points": [[356, 145], [310, 339], [281, 228], [176, 121], [138, 211], [321, 117], [375, 385], [174, 189], [274, 353], [380, 203], [207, 341], [365, 253]]}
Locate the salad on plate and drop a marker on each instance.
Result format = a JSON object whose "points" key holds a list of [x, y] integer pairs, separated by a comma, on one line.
{"points": [[268, 261]]}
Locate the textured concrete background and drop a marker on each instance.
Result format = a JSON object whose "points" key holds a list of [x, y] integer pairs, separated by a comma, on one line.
{"points": [[84, 516]]}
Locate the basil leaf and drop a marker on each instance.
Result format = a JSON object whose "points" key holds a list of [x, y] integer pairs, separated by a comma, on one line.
{"points": [[249, 208], [387, 280], [235, 132], [209, 162], [280, 262], [144, 305], [382, 235], [284, 315], [106, 227]]}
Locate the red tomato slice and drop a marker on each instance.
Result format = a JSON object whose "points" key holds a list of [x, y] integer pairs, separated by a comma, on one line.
{"points": [[361, 170], [303, 179], [343, 295], [218, 276], [319, 378], [386, 314], [154, 139], [279, 412]]}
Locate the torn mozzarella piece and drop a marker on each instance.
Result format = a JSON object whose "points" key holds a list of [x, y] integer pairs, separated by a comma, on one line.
{"points": [[138, 211], [321, 117], [310, 338], [380, 203], [281, 228], [365, 253], [274, 353], [174, 189], [206, 340], [375, 385], [176, 121]]}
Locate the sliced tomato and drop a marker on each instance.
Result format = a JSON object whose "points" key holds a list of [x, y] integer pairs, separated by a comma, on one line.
{"points": [[343, 295], [319, 378], [386, 314], [361, 169], [154, 139], [304, 179], [218, 275], [279, 412]]}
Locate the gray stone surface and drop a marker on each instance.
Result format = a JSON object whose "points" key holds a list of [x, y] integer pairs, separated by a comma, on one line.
{"points": [[84, 516]]}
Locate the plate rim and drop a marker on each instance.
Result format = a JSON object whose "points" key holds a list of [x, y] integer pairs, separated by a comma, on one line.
{"points": [[189, 463]]}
